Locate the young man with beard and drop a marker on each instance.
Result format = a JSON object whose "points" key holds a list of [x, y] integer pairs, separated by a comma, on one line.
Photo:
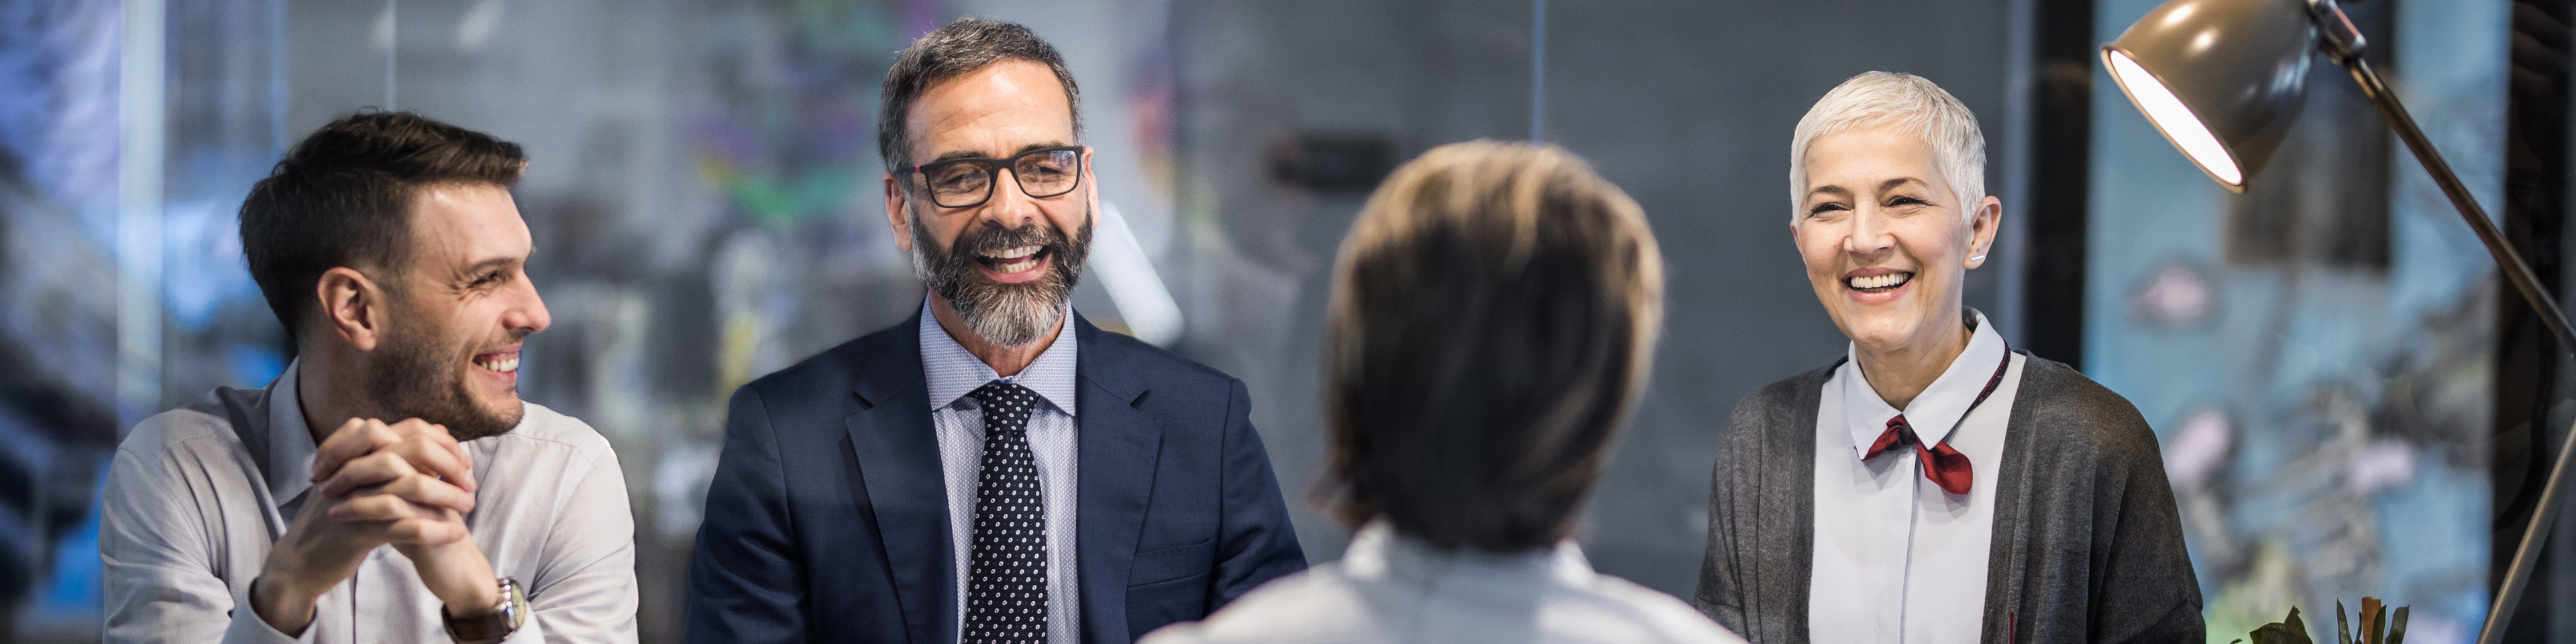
{"points": [[995, 469], [390, 486]]}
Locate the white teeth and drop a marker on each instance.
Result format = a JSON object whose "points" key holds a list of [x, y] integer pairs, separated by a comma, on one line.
{"points": [[1881, 281], [1014, 254], [504, 366], [1016, 259]]}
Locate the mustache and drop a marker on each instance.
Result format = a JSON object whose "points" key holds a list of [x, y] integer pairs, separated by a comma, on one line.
{"points": [[986, 239]]}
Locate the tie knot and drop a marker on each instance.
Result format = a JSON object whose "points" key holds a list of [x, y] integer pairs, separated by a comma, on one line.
{"points": [[1005, 399], [1904, 432]]}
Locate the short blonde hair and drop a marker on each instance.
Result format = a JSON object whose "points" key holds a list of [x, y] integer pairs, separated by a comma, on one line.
{"points": [[1493, 314], [1911, 103]]}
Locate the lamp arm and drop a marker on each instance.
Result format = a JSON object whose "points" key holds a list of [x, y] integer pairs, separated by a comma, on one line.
{"points": [[2517, 272]]}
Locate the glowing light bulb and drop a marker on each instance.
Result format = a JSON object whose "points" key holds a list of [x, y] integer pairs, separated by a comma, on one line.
{"points": [[2174, 119]]}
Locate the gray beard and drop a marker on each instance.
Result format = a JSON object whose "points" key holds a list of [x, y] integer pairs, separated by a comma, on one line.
{"points": [[1010, 315]]}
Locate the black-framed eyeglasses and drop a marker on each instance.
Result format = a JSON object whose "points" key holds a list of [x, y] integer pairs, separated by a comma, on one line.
{"points": [[968, 182]]}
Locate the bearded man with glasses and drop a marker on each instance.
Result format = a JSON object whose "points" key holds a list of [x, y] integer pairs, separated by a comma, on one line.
{"points": [[995, 469]]}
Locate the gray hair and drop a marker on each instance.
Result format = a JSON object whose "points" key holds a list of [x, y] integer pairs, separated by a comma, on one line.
{"points": [[956, 50], [1911, 103]]}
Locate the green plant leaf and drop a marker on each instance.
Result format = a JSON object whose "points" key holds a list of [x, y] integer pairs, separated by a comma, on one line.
{"points": [[2289, 631], [2343, 629], [2397, 629]]}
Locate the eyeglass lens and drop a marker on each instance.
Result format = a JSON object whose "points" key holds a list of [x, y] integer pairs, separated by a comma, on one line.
{"points": [[968, 182]]}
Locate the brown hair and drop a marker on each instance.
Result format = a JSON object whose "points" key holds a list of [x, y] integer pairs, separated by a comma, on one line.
{"points": [[955, 50], [342, 197], [1493, 314]]}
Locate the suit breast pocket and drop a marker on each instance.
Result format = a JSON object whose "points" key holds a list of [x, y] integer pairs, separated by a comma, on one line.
{"points": [[1172, 563]]}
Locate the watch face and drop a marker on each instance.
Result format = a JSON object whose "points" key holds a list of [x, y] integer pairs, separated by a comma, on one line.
{"points": [[515, 603]]}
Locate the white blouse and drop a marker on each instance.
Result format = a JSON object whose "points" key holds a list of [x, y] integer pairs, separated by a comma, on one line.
{"points": [[1897, 559]]}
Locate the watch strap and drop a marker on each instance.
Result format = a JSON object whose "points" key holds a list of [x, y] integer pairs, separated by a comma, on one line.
{"points": [[495, 626]]}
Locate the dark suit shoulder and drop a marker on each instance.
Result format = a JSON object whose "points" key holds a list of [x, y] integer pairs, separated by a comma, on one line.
{"points": [[834, 371], [1153, 359]]}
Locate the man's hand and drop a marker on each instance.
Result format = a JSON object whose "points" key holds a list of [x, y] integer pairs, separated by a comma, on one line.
{"points": [[407, 484], [418, 463], [359, 455]]}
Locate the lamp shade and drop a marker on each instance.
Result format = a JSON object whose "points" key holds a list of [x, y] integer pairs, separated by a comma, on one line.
{"points": [[2222, 79]]}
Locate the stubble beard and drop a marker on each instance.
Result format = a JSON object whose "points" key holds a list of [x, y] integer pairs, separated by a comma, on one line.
{"points": [[415, 379], [1010, 315]]}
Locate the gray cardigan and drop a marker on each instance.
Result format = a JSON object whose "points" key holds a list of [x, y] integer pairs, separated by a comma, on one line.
{"points": [[2087, 543]]}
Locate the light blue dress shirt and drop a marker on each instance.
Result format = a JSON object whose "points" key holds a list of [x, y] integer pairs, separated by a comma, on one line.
{"points": [[959, 423]]}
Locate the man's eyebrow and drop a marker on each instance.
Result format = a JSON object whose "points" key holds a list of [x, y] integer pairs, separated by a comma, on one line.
{"points": [[1033, 147], [478, 268], [953, 155]]}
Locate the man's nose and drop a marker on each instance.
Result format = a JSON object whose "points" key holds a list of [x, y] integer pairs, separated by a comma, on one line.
{"points": [[529, 312], [1011, 206]]}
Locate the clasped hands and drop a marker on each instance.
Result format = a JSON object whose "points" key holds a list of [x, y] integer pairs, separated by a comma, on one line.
{"points": [[407, 484]]}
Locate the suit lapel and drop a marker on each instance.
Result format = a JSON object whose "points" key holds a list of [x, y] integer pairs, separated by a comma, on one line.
{"points": [[1120, 445], [898, 455]]}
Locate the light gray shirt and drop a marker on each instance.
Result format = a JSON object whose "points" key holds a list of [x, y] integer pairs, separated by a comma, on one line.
{"points": [[1395, 589], [196, 496], [959, 421]]}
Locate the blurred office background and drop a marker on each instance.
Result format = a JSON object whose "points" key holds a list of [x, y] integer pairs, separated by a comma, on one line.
{"points": [[2347, 405]]}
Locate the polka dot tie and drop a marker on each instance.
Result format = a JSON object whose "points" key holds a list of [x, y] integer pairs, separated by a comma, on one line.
{"points": [[1006, 574]]}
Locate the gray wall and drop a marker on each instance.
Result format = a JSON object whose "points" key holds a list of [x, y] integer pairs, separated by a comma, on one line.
{"points": [[1686, 105]]}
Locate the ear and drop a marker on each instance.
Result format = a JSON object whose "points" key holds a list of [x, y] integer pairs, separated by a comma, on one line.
{"points": [[1981, 230], [894, 204], [1090, 189], [353, 307]]}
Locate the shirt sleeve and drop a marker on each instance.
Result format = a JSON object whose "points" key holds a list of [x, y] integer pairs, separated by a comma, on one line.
{"points": [[584, 591], [159, 584], [247, 628]]}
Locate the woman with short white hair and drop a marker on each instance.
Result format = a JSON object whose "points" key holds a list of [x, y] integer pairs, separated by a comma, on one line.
{"points": [[1935, 485]]}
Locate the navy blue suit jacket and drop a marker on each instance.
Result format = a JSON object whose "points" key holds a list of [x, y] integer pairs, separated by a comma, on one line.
{"points": [[828, 518]]}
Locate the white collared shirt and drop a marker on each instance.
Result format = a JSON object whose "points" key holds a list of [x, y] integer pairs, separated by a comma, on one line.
{"points": [[959, 422], [1394, 589], [1896, 558], [193, 504]]}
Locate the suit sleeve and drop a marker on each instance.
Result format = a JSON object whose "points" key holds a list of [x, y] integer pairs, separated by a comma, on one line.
{"points": [[2147, 589], [747, 580], [1256, 542]]}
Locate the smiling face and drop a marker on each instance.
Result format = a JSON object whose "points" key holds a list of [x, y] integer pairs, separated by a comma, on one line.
{"points": [[1884, 240], [451, 351], [1007, 265]]}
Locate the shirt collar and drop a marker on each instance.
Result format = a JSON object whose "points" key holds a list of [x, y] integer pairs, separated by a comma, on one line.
{"points": [[290, 441], [955, 372], [1939, 408]]}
